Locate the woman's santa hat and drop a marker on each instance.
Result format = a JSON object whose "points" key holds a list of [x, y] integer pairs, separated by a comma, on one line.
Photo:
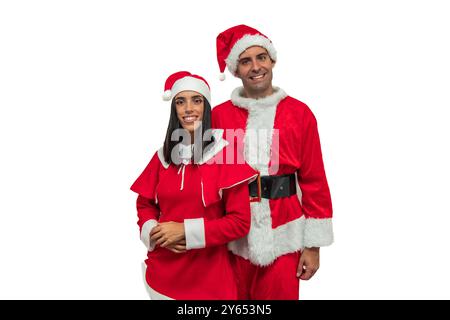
{"points": [[232, 42], [185, 81]]}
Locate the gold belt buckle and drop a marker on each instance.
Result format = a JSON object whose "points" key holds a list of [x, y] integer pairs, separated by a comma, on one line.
{"points": [[258, 197]]}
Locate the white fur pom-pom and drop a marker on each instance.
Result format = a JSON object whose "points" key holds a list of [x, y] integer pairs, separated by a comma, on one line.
{"points": [[167, 95], [222, 76]]}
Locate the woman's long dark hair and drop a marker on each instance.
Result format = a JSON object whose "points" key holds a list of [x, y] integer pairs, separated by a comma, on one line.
{"points": [[174, 124]]}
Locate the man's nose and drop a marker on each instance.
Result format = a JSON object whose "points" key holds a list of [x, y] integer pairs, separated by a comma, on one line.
{"points": [[256, 67]]}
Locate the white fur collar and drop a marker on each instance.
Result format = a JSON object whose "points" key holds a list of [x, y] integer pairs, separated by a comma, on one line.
{"points": [[247, 103], [210, 151]]}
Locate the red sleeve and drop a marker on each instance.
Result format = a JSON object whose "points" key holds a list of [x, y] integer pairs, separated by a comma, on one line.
{"points": [[233, 188], [147, 210], [145, 184], [145, 187], [236, 222], [316, 199]]}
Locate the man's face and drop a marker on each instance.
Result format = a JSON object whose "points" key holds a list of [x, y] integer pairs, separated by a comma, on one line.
{"points": [[255, 70]]}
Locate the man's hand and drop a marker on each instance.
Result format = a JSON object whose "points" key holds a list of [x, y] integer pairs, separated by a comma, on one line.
{"points": [[308, 264], [167, 234]]}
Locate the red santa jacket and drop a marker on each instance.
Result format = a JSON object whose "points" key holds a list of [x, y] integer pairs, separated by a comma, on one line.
{"points": [[280, 136], [198, 195]]}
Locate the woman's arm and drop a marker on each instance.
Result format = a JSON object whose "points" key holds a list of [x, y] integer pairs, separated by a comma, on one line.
{"points": [[148, 210], [201, 233], [148, 215]]}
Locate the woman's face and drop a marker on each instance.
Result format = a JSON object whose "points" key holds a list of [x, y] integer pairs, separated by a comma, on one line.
{"points": [[189, 106]]}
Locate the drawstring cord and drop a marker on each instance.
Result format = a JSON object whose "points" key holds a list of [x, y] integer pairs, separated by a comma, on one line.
{"points": [[182, 167], [186, 155]]}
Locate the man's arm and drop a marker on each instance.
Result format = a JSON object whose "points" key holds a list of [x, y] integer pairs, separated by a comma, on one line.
{"points": [[316, 199]]}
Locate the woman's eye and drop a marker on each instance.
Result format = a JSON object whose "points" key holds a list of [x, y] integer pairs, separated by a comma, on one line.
{"points": [[198, 101]]}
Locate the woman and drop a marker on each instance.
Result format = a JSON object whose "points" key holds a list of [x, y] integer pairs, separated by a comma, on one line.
{"points": [[189, 206]]}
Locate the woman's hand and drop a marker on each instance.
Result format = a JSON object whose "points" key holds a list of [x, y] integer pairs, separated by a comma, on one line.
{"points": [[168, 235], [178, 247]]}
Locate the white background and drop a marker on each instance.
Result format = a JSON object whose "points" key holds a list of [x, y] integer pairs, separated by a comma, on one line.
{"points": [[81, 115]]}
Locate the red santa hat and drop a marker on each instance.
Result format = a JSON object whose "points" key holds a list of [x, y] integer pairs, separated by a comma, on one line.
{"points": [[232, 42], [185, 81]]}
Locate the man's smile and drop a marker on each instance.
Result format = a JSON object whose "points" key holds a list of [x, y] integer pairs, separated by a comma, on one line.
{"points": [[258, 77]]}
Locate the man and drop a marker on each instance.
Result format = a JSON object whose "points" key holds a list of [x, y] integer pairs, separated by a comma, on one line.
{"points": [[289, 223]]}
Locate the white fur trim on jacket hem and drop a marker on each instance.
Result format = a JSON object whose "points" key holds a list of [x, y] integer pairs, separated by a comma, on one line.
{"points": [[145, 234], [154, 295], [318, 232], [284, 239], [243, 44], [194, 230]]}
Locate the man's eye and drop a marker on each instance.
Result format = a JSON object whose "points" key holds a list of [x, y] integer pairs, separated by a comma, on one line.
{"points": [[263, 58], [244, 62]]}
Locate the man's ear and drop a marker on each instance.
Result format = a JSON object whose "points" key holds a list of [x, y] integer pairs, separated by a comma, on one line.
{"points": [[273, 63]]}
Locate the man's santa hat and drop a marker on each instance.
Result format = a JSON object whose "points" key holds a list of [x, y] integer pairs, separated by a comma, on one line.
{"points": [[232, 42], [185, 81]]}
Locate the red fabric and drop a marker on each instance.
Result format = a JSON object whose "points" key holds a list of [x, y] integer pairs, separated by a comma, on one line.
{"points": [[316, 198], [277, 281], [170, 81], [299, 152], [216, 178], [236, 223], [145, 186], [199, 273], [227, 39], [147, 209]]}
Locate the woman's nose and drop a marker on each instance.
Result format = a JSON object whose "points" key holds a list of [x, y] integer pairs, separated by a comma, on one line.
{"points": [[189, 106]]}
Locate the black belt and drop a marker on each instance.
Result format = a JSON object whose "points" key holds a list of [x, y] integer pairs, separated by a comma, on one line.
{"points": [[273, 187]]}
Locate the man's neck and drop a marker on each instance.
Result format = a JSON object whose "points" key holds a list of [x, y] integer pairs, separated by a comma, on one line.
{"points": [[257, 95]]}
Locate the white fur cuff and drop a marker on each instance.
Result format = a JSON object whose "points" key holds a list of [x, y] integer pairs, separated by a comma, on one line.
{"points": [[318, 232], [195, 233], [145, 234]]}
